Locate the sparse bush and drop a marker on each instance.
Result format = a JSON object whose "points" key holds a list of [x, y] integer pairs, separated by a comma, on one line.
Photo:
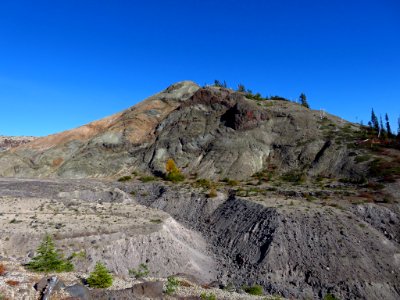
{"points": [[210, 296], [140, 272], [13, 283], [156, 221], [80, 255], [212, 193], [294, 177], [100, 277], [172, 285], [330, 297], [3, 270], [173, 172], [125, 178], [147, 178], [48, 259], [362, 158], [255, 290], [230, 182], [175, 177], [204, 183]]}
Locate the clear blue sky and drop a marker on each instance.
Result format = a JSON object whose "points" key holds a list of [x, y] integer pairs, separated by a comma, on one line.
{"points": [[68, 62]]}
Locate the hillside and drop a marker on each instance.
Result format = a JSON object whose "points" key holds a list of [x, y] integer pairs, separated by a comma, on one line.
{"points": [[212, 132], [303, 203]]}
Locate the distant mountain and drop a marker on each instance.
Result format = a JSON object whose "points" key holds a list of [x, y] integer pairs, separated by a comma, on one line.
{"points": [[212, 132]]}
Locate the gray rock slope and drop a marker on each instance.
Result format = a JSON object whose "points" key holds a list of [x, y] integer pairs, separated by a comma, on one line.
{"points": [[298, 251], [211, 132]]}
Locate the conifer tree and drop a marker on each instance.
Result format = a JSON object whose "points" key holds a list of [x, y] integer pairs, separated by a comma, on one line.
{"points": [[241, 88], [100, 277], [303, 100], [382, 129], [48, 259], [388, 129], [374, 121], [398, 127]]}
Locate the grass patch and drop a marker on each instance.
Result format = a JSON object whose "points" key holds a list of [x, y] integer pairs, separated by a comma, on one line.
{"points": [[204, 183], [294, 177], [255, 290], [156, 221], [362, 158], [140, 272], [125, 178], [147, 178], [230, 182]]}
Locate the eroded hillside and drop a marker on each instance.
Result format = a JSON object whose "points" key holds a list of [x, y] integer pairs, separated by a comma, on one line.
{"points": [[212, 132]]}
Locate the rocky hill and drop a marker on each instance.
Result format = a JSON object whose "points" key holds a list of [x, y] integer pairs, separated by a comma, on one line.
{"points": [[212, 132], [303, 203]]}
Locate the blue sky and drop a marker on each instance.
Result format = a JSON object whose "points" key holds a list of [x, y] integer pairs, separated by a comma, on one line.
{"points": [[66, 63]]}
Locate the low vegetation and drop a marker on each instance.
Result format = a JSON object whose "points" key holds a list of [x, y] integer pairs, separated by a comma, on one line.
{"points": [[48, 259], [210, 296], [255, 290], [172, 285], [100, 277], [173, 173], [3, 270], [140, 272], [125, 178], [147, 178]]}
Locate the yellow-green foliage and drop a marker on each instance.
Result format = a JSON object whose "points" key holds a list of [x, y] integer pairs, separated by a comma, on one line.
{"points": [[173, 172]]}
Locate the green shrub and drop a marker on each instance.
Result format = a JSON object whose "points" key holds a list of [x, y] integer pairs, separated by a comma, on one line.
{"points": [[230, 182], [49, 259], [172, 285], [173, 172], [79, 255], [125, 178], [362, 158], [175, 177], [204, 183], [255, 290], [330, 297], [210, 296], [140, 272], [294, 177], [147, 178], [100, 277]]}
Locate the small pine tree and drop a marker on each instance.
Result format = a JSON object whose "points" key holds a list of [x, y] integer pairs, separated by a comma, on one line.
{"points": [[48, 259], [303, 100], [100, 277], [241, 88], [398, 127], [382, 129], [374, 121], [388, 129], [218, 83]]}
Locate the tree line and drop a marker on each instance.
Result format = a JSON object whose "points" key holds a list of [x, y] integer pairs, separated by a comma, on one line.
{"points": [[382, 129], [257, 96]]}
